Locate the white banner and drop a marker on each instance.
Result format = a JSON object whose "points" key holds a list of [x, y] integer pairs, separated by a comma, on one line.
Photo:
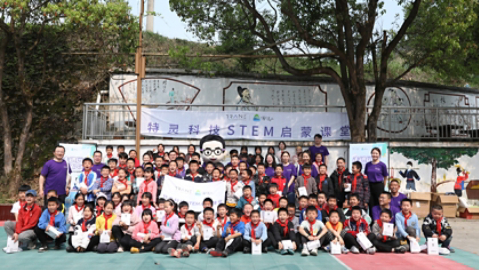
{"points": [[193, 193], [362, 152], [287, 126]]}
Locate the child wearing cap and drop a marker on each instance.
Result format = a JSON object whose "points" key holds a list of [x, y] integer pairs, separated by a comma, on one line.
{"points": [[28, 216]]}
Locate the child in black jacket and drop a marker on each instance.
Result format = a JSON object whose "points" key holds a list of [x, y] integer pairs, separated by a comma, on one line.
{"points": [[283, 230]]}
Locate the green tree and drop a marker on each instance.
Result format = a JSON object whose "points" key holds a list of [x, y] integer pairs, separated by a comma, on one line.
{"points": [[443, 158], [343, 33], [33, 36]]}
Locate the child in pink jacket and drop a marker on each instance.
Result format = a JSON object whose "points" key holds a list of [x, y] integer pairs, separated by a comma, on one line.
{"points": [[146, 234]]}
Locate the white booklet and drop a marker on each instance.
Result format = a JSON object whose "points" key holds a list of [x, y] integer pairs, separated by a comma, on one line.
{"points": [[207, 232], [287, 244], [160, 215], [126, 218], [53, 232], [11, 246], [313, 244], [302, 191], [255, 249], [105, 237], [268, 216], [388, 229]]}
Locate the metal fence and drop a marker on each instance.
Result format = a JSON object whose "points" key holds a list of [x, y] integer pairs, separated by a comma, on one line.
{"points": [[118, 121]]}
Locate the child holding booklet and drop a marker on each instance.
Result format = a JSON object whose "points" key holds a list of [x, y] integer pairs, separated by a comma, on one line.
{"points": [[233, 231], [51, 226], [80, 241], [221, 220], [145, 234], [255, 233], [283, 230], [190, 237], [104, 224], [124, 225], [352, 227], [407, 224], [436, 226], [146, 199], [335, 227], [382, 242], [312, 230], [75, 213], [306, 181], [208, 230], [170, 234]]}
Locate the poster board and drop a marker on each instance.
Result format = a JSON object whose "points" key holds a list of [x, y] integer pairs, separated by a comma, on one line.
{"points": [[362, 152]]}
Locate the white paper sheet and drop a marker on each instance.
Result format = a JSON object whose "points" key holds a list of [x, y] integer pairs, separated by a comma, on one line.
{"points": [[432, 246], [313, 244], [160, 215], [388, 229], [126, 218], [268, 216], [11, 246], [287, 244], [363, 241], [335, 248], [256, 249], [105, 237], [207, 232], [347, 188], [302, 191]]}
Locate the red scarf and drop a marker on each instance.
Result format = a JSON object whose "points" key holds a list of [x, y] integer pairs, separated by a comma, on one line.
{"points": [[29, 213], [260, 178], [233, 185], [227, 179], [355, 182], [180, 215], [322, 177], [22, 203], [249, 200], [209, 224], [178, 171], [122, 166], [305, 177], [340, 175], [246, 183], [114, 173], [102, 181], [284, 225], [168, 217], [146, 182], [83, 225], [439, 226], [281, 181], [275, 199], [380, 224], [107, 217], [145, 227], [406, 218], [145, 207], [78, 210], [245, 219], [172, 174], [335, 227], [189, 229], [125, 182], [99, 209], [253, 228], [193, 176], [232, 226], [109, 156], [326, 208], [223, 223], [52, 218], [86, 176], [311, 224]]}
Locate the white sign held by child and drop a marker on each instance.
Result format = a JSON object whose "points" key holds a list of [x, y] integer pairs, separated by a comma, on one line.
{"points": [[126, 218], [432, 246], [141, 235], [335, 248], [11, 245], [255, 248], [105, 237], [313, 244], [268, 217], [238, 193], [347, 187], [363, 241], [287, 244], [53, 232], [207, 232], [160, 215], [302, 191], [414, 246], [388, 229]]}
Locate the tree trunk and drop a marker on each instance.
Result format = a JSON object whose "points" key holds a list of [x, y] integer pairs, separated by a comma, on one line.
{"points": [[356, 108], [22, 144], [372, 122], [7, 132], [433, 175]]}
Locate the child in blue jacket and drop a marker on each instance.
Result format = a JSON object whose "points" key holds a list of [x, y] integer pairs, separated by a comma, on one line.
{"points": [[407, 224], [51, 219]]}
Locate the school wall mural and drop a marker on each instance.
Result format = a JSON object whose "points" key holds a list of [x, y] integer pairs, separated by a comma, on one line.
{"points": [[434, 169]]}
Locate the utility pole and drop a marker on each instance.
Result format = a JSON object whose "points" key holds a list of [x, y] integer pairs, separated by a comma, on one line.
{"points": [[140, 71]]}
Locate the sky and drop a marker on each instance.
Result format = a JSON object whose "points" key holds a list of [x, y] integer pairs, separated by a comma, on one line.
{"points": [[168, 24]]}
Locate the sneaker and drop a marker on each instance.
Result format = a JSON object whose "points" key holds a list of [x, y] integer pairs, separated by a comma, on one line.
{"points": [[314, 252], [246, 250], [134, 250], [185, 253], [225, 254], [305, 252], [344, 250], [179, 252], [264, 250], [120, 250], [209, 250], [31, 245], [444, 251], [215, 253], [400, 249], [290, 252], [354, 250], [70, 249], [371, 250], [283, 252], [43, 249], [56, 247], [327, 249], [451, 250], [172, 252], [5, 249]]}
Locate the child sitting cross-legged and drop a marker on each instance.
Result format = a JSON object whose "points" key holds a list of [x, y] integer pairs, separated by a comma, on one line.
{"points": [[335, 227], [356, 224], [51, 219], [255, 232], [379, 240], [146, 234], [407, 224], [190, 237], [208, 231], [233, 231], [83, 232], [312, 230], [283, 230]]}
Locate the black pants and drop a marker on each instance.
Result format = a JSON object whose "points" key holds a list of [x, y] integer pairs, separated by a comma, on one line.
{"points": [[90, 246], [43, 237], [323, 240], [350, 241], [237, 245], [163, 246], [264, 245], [381, 246], [121, 239], [211, 243], [190, 242], [375, 190], [144, 247], [458, 192]]}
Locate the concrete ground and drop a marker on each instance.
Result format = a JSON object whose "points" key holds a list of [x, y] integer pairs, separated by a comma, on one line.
{"points": [[465, 234]]}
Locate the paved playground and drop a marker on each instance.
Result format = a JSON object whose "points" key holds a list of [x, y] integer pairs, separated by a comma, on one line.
{"points": [[61, 260]]}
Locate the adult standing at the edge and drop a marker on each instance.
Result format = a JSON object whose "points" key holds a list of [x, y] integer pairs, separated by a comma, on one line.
{"points": [[377, 173], [55, 174], [97, 164], [318, 148]]}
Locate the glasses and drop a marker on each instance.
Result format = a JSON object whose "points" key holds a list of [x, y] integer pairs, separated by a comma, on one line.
{"points": [[208, 151]]}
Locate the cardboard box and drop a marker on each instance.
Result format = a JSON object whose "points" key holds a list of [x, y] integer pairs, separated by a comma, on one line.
{"points": [[469, 213], [421, 202], [448, 203], [473, 194]]}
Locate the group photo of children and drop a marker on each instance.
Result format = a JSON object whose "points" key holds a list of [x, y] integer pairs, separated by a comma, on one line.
{"points": [[291, 204]]}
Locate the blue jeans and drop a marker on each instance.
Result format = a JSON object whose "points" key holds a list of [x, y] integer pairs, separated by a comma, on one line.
{"points": [[411, 185]]}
